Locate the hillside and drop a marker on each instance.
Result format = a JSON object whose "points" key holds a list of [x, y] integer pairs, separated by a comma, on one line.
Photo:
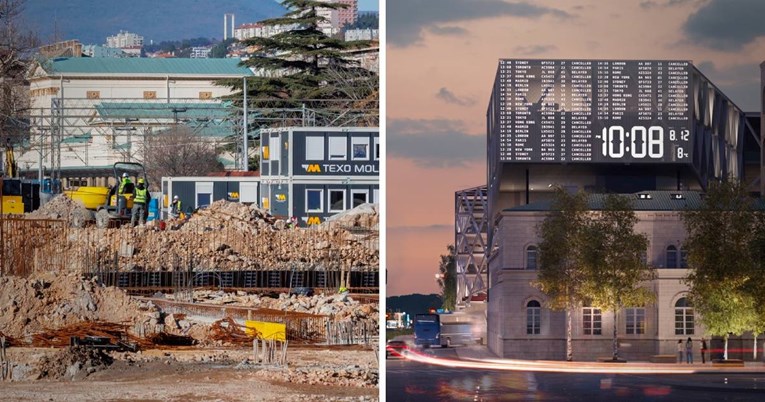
{"points": [[414, 303], [92, 21]]}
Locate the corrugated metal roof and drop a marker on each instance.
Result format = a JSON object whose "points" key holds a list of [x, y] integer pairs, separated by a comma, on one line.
{"points": [[144, 66], [642, 201], [137, 110]]}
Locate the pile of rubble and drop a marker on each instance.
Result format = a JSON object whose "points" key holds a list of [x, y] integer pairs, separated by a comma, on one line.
{"points": [[340, 307], [48, 301], [233, 236], [63, 207], [73, 363], [347, 376]]}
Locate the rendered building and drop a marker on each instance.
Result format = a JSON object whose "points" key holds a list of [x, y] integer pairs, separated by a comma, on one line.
{"points": [[656, 131]]}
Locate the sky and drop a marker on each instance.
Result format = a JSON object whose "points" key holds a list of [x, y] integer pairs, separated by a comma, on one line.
{"points": [[441, 61]]}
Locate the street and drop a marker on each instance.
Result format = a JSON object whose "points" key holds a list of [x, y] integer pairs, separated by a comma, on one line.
{"points": [[412, 381]]}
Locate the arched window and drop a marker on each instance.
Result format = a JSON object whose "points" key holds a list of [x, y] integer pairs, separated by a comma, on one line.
{"points": [[671, 257], [683, 317], [683, 258], [531, 257], [533, 318]]}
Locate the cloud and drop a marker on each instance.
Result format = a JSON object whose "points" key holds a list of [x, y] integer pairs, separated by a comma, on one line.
{"points": [[738, 82], [407, 19], [726, 24], [533, 50], [447, 31], [434, 143], [648, 4], [449, 97]]}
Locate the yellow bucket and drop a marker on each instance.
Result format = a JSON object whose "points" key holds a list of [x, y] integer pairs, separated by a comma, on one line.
{"points": [[90, 197]]}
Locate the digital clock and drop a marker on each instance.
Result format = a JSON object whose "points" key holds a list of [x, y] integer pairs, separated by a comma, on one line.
{"points": [[639, 142]]}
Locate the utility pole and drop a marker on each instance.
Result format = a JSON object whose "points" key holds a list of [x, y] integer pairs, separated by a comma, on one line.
{"points": [[245, 150]]}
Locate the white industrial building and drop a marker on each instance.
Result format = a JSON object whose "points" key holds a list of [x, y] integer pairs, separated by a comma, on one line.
{"points": [[89, 113]]}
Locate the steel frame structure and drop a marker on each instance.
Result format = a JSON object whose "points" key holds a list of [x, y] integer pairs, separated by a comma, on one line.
{"points": [[471, 229]]}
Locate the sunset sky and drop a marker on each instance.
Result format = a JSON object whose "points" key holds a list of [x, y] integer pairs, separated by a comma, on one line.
{"points": [[441, 60]]}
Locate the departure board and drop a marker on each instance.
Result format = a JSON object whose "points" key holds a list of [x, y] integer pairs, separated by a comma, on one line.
{"points": [[597, 111]]}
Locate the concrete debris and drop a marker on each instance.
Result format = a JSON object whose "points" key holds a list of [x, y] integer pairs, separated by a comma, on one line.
{"points": [[62, 207], [346, 376], [233, 236], [340, 307], [73, 363], [49, 301]]}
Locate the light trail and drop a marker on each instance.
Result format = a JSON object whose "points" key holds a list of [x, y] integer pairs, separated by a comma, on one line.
{"points": [[550, 366]]}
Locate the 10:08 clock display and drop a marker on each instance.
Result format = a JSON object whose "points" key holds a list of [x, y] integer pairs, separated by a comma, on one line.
{"points": [[640, 142]]}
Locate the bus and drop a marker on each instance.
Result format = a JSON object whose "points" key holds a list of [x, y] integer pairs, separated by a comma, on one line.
{"points": [[427, 330]]}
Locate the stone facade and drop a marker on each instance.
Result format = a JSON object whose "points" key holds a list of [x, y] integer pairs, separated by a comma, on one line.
{"points": [[512, 290]]}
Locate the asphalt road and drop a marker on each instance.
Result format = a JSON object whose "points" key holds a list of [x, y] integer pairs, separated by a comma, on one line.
{"points": [[412, 381]]}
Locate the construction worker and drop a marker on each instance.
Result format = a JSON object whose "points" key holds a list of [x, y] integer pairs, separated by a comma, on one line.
{"points": [[126, 186], [140, 200], [175, 208]]}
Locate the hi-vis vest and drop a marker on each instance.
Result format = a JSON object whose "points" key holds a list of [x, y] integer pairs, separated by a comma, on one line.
{"points": [[177, 206], [140, 195], [123, 183]]}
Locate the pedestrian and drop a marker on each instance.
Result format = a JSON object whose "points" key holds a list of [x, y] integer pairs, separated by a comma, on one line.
{"points": [[139, 203], [680, 351], [689, 351], [703, 350], [175, 208]]}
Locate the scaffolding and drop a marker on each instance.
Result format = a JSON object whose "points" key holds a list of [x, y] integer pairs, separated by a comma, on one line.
{"points": [[471, 242]]}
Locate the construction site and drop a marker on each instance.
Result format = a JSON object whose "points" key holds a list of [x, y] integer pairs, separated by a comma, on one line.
{"points": [[230, 303]]}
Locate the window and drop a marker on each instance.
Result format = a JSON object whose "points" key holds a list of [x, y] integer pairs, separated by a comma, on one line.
{"points": [[635, 321], [314, 148], [683, 317], [683, 258], [275, 150], [338, 149], [336, 200], [671, 257], [313, 200], [359, 197], [531, 257], [377, 148], [204, 192], [533, 320], [644, 257], [592, 321], [266, 152], [360, 148]]}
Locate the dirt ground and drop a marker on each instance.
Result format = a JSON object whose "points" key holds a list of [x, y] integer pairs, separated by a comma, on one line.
{"points": [[204, 375]]}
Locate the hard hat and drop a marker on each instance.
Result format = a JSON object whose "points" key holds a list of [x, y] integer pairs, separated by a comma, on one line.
{"points": [[124, 175], [175, 197], [140, 181]]}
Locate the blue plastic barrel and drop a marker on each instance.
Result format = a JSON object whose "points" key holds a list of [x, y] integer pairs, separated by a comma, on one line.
{"points": [[153, 209]]}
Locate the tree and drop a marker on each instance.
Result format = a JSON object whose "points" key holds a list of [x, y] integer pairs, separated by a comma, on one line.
{"points": [[294, 63], [726, 276], [562, 275], [179, 152], [613, 257], [15, 57], [220, 50], [447, 279]]}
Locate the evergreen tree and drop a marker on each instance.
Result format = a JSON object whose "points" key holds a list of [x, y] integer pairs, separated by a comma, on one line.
{"points": [[295, 64], [447, 281]]}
